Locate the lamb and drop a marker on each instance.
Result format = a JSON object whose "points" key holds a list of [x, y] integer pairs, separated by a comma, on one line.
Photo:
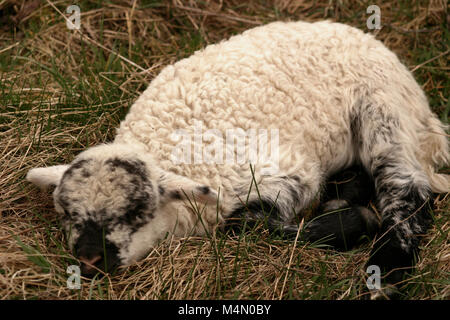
{"points": [[331, 95]]}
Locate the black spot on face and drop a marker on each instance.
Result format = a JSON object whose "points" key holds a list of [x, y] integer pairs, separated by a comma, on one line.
{"points": [[137, 212], [204, 189], [175, 195], [161, 190], [133, 167], [85, 173], [75, 166]]}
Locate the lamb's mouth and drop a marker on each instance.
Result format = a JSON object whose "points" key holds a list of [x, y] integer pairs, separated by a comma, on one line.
{"points": [[96, 253]]}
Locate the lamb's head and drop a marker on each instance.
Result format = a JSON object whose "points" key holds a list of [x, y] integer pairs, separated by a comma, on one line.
{"points": [[111, 200]]}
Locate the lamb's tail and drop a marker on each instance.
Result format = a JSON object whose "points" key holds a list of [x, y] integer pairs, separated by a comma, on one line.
{"points": [[435, 153]]}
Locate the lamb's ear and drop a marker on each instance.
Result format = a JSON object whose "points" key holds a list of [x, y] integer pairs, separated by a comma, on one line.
{"points": [[173, 187], [46, 177]]}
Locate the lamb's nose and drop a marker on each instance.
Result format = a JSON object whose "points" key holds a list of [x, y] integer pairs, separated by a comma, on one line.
{"points": [[90, 266]]}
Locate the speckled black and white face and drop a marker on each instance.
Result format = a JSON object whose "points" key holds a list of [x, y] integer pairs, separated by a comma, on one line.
{"points": [[104, 202], [110, 200]]}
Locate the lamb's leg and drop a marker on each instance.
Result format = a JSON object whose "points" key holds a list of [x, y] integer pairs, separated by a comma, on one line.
{"points": [[402, 198], [343, 219], [402, 189], [273, 200], [342, 228]]}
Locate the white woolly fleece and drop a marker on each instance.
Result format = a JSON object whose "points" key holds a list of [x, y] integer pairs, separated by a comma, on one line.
{"points": [[304, 79]]}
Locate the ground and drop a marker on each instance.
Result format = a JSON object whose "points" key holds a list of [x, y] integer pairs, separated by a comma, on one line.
{"points": [[63, 90]]}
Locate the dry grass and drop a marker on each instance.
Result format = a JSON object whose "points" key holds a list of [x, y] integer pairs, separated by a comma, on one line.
{"points": [[62, 91]]}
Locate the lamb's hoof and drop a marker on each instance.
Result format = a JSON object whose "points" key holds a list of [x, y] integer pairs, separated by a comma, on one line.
{"points": [[388, 292]]}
